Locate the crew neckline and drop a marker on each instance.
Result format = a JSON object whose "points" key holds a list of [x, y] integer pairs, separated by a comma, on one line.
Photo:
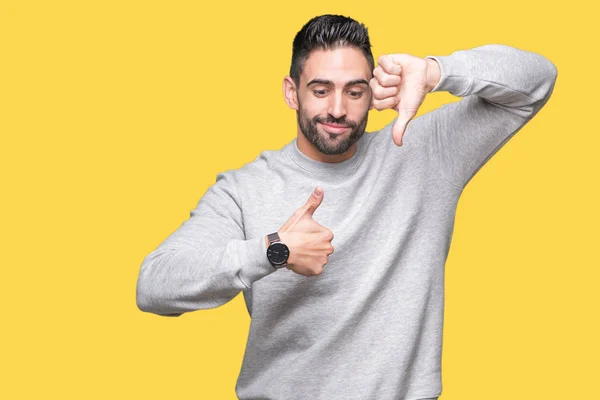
{"points": [[322, 168]]}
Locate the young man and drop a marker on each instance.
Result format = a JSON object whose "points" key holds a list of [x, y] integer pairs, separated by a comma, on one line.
{"points": [[358, 311]]}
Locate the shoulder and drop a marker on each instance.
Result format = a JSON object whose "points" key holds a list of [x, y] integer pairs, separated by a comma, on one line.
{"points": [[252, 172]]}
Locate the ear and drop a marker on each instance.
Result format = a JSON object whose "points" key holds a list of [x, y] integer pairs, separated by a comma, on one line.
{"points": [[290, 94]]}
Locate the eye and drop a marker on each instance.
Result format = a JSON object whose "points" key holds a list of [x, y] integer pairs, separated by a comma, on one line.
{"points": [[323, 92]]}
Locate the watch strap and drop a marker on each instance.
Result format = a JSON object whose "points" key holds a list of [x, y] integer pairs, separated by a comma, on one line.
{"points": [[273, 237]]}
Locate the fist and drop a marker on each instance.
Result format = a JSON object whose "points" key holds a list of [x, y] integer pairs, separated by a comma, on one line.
{"points": [[400, 82], [309, 242]]}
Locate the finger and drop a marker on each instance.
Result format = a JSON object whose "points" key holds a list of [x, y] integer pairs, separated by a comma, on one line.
{"points": [[380, 92], [387, 63], [313, 226], [385, 79], [313, 202], [398, 131], [384, 104], [405, 115], [307, 208]]}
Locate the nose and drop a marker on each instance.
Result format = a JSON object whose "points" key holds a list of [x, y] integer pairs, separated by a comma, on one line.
{"points": [[337, 106]]}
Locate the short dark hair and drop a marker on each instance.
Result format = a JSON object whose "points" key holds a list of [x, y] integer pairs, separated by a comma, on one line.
{"points": [[328, 32]]}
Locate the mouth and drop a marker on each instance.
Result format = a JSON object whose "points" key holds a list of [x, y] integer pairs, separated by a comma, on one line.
{"points": [[334, 128]]}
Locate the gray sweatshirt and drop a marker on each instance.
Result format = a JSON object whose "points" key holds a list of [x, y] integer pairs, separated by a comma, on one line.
{"points": [[370, 326]]}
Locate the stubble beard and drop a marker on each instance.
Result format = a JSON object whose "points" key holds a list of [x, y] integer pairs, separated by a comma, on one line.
{"points": [[328, 143]]}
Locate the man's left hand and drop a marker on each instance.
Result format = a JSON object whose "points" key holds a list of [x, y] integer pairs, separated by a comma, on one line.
{"points": [[401, 82]]}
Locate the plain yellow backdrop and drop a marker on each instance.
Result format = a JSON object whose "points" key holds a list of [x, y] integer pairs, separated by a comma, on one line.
{"points": [[116, 116]]}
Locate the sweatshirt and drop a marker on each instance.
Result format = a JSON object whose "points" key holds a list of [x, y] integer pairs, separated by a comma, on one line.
{"points": [[370, 326]]}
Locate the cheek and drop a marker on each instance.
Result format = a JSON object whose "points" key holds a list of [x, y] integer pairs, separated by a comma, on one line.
{"points": [[314, 110], [358, 110]]}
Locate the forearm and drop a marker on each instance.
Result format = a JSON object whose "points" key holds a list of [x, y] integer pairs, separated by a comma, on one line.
{"points": [[207, 261], [502, 88], [518, 80], [433, 73], [179, 279]]}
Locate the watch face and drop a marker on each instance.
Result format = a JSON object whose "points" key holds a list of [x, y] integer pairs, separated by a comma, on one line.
{"points": [[278, 253]]}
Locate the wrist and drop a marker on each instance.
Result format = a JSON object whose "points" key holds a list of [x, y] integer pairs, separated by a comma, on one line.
{"points": [[433, 73]]}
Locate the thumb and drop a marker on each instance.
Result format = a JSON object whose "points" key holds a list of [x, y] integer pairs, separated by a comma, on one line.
{"points": [[313, 202], [399, 128]]}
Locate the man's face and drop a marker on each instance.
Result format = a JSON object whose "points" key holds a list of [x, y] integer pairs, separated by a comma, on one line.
{"points": [[334, 89]]}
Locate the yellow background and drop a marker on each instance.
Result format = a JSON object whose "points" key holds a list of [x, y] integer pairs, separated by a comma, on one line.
{"points": [[116, 116]]}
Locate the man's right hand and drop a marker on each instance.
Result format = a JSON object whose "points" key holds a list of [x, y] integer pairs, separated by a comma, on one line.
{"points": [[309, 242]]}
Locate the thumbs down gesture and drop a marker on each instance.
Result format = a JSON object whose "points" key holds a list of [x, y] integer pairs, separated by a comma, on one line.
{"points": [[401, 82]]}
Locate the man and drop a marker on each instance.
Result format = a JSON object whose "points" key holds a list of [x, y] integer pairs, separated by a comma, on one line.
{"points": [[357, 312]]}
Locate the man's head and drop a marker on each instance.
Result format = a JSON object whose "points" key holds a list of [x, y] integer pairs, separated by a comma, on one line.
{"points": [[328, 83]]}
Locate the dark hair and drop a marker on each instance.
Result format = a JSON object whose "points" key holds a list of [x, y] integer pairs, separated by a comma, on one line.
{"points": [[328, 32]]}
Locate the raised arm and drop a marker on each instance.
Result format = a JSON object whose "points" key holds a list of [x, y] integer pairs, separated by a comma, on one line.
{"points": [[207, 261], [502, 88]]}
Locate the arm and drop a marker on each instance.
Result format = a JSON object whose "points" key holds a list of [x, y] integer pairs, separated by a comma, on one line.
{"points": [[206, 262], [502, 88]]}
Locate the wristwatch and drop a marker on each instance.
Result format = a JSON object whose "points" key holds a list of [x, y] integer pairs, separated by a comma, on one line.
{"points": [[277, 252]]}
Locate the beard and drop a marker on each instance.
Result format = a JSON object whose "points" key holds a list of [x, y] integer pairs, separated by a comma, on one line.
{"points": [[328, 143]]}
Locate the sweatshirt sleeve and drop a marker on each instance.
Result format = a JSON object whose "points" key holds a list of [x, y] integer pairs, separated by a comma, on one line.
{"points": [[502, 88], [207, 261]]}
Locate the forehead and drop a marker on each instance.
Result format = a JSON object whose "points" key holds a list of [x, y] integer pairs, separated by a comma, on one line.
{"points": [[339, 65]]}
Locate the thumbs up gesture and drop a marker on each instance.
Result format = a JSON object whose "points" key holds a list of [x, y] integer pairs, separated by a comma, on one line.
{"points": [[401, 82], [309, 242]]}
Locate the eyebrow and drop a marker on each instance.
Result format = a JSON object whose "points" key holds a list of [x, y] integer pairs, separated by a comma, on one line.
{"points": [[328, 82]]}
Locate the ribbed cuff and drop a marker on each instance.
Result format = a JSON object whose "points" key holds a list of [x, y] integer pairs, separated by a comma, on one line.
{"points": [[454, 75], [251, 256]]}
